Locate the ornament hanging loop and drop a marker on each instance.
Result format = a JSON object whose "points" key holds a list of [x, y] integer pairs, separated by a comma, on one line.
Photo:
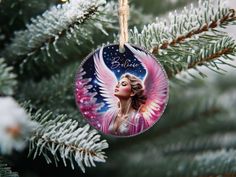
{"points": [[123, 20]]}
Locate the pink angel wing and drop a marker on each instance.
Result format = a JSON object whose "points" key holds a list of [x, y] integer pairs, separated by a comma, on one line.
{"points": [[106, 80], [156, 86]]}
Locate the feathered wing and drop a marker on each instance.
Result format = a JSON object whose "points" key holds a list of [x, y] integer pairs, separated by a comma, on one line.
{"points": [[156, 86], [106, 80]]}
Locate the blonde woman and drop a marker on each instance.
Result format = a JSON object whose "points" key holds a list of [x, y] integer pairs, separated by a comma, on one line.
{"points": [[133, 104]]}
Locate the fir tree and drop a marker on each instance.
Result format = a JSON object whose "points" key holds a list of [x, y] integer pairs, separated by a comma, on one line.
{"points": [[44, 42]]}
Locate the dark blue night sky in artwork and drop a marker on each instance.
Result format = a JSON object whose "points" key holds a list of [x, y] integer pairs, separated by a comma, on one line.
{"points": [[117, 62]]}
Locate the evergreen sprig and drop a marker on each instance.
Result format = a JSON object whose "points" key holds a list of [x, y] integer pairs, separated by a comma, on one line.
{"points": [[212, 164], [57, 92], [58, 137], [210, 53], [15, 14], [74, 21], [7, 79], [209, 142], [178, 41], [183, 26]]}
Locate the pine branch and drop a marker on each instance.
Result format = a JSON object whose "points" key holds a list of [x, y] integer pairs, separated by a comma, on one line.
{"points": [[7, 79], [51, 90], [219, 163], [5, 171], [228, 17], [53, 94], [184, 25], [65, 38], [60, 138], [217, 54], [208, 54], [215, 163], [177, 43], [74, 21], [205, 143], [14, 15]]}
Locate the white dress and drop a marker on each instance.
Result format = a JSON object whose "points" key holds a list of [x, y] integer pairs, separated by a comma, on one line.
{"points": [[124, 126]]}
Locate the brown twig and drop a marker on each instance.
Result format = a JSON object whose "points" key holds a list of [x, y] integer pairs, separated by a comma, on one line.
{"points": [[210, 57], [228, 17], [200, 62], [74, 148]]}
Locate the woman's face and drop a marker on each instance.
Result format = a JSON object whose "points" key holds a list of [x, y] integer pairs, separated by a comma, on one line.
{"points": [[123, 88]]}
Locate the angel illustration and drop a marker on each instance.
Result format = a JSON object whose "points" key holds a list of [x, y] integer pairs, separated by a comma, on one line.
{"points": [[133, 104]]}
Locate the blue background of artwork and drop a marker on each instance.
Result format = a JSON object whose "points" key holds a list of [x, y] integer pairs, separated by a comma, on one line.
{"points": [[110, 53]]}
